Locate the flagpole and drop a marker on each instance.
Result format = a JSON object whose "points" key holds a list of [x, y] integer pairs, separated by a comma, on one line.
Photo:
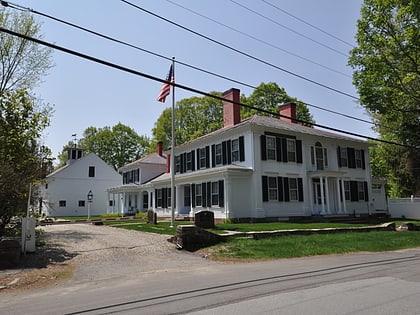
{"points": [[172, 148]]}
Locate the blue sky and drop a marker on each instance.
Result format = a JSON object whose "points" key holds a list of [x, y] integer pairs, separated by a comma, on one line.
{"points": [[86, 94]]}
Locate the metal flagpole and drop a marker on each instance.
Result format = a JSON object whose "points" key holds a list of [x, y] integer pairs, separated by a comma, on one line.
{"points": [[172, 165]]}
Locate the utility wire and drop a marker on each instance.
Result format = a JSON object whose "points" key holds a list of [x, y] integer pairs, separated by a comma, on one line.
{"points": [[183, 87], [241, 52], [290, 29], [259, 39], [309, 24], [21, 8]]}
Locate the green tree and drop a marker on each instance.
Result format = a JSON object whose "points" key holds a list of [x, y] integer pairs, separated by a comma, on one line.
{"points": [[117, 145], [22, 159], [387, 76], [22, 62], [195, 116], [269, 96]]}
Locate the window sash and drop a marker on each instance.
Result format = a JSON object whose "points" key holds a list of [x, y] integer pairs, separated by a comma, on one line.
{"points": [[291, 150], [215, 193], [235, 150], [343, 157], [271, 147], [272, 188], [202, 158], [347, 190], [198, 195], [293, 189], [218, 154]]}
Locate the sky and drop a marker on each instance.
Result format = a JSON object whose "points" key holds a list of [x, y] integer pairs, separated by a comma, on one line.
{"points": [[277, 35]]}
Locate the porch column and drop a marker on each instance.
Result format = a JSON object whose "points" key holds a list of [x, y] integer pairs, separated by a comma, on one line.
{"points": [[338, 195], [344, 196], [322, 195], [327, 195], [122, 204], [311, 197]]}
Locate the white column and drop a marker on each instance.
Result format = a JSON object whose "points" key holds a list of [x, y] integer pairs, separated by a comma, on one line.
{"points": [[322, 195], [338, 195], [327, 195], [311, 197]]}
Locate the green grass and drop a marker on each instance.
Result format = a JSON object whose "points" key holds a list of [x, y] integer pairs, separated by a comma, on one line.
{"points": [[314, 244]]}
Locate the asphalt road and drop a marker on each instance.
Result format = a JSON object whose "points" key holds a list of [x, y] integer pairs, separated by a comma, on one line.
{"points": [[363, 283]]}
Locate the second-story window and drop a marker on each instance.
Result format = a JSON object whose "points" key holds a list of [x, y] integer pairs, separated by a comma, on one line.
{"points": [[343, 158], [359, 158], [271, 148], [218, 154], [177, 164], [235, 150], [291, 150], [202, 157]]}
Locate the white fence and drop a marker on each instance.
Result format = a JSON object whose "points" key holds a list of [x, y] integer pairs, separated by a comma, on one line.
{"points": [[408, 208]]}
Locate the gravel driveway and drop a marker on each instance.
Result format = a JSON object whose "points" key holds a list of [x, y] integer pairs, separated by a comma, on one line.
{"points": [[103, 252]]}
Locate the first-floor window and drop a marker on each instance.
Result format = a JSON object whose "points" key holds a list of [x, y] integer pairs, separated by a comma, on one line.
{"points": [[215, 193], [347, 190], [159, 198], [361, 190], [81, 203], [62, 203], [111, 203], [198, 195], [293, 189], [272, 188]]}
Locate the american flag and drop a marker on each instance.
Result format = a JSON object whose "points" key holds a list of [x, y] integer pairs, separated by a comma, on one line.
{"points": [[165, 90]]}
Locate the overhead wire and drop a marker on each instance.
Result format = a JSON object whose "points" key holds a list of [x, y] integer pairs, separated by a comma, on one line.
{"points": [[259, 39], [289, 29], [18, 7], [239, 51], [187, 88], [308, 23]]}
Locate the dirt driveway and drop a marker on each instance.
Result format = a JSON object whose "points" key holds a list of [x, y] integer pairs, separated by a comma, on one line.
{"points": [[78, 253]]}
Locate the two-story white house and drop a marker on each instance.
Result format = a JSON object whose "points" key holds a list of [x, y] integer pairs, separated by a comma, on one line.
{"points": [[263, 168], [65, 191]]}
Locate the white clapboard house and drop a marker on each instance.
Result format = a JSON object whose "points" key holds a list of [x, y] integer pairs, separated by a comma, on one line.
{"points": [[65, 191], [261, 168]]}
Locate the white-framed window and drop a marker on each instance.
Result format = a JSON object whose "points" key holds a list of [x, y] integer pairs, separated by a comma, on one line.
{"points": [[159, 198], [361, 190], [235, 150], [359, 158], [62, 203], [81, 203], [291, 150], [187, 196], [177, 164], [189, 161], [215, 193], [272, 188], [202, 157], [271, 147], [293, 189], [343, 157], [198, 195], [218, 154], [347, 190]]}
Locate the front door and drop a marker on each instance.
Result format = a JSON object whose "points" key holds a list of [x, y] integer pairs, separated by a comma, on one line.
{"points": [[317, 202]]}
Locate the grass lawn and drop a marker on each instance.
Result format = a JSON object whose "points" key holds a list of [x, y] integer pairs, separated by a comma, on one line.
{"points": [[291, 245]]}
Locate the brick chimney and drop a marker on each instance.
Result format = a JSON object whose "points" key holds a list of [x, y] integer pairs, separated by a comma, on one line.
{"points": [[231, 112], [159, 148], [289, 110], [168, 163]]}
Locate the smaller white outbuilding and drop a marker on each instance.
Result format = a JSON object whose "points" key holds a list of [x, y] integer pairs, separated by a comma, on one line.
{"points": [[65, 191]]}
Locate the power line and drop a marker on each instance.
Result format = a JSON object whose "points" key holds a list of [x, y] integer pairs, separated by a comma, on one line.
{"points": [[241, 52], [259, 40], [18, 7], [309, 24], [183, 87], [290, 29]]}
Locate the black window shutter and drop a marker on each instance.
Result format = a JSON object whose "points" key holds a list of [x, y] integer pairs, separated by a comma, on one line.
{"points": [[204, 194], [351, 156], [284, 149], [299, 151], [207, 157], [366, 191], [193, 195], [280, 189], [263, 148], [213, 155], [164, 197], [198, 159], [241, 149], [300, 189], [354, 194], [229, 152], [339, 156], [184, 162], [286, 189], [363, 159], [224, 153], [221, 193], [181, 162], [193, 160], [208, 196], [279, 156], [265, 188]]}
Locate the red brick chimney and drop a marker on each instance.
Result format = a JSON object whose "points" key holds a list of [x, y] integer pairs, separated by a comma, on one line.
{"points": [[159, 149], [288, 110], [231, 112]]}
